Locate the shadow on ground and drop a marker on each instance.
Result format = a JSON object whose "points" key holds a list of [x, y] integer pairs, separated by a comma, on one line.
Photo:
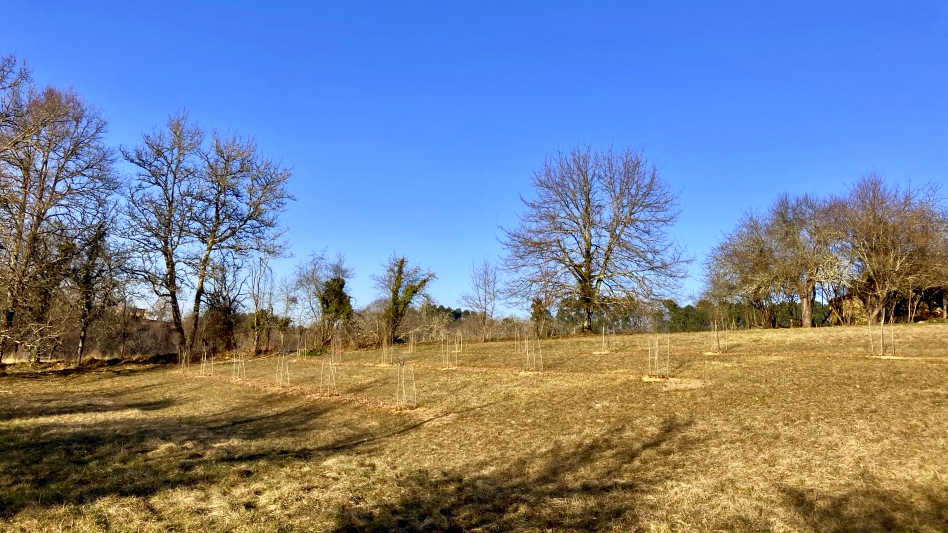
{"points": [[869, 509], [591, 486], [58, 449]]}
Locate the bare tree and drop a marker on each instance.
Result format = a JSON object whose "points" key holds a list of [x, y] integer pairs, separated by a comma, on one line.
{"points": [[894, 237], [159, 207], [55, 177], [237, 207], [400, 284], [880, 244], [742, 268], [596, 231], [485, 291], [803, 236], [261, 289], [95, 275], [192, 204], [14, 81]]}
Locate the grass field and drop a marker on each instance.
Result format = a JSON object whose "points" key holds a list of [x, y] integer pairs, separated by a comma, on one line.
{"points": [[791, 430]]}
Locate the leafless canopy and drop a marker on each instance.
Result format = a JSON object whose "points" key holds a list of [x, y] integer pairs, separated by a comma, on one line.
{"points": [[484, 293], [192, 202], [596, 232], [56, 178], [878, 245], [897, 241]]}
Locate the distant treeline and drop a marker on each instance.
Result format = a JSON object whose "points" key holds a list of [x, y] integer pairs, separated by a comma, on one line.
{"points": [[878, 253]]}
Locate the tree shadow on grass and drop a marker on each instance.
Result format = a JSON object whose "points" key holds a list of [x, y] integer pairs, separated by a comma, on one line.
{"points": [[871, 508], [41, 406], [592, 486], [107, 445]]}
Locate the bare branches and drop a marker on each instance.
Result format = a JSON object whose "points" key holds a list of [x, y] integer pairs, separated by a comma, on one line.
{"points": [[192, 203], [56, 179], [896, 239], [596, 232], [485, 291], [876, 245]]}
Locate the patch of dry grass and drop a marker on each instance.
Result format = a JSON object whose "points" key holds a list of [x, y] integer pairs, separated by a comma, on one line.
{"points": [[793, 430]]}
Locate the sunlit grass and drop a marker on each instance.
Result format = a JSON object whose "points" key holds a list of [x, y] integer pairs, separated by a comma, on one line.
{"points": [[789, 430]]}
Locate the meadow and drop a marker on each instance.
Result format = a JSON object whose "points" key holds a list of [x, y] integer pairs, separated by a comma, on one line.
{"points": [[787, 430]]}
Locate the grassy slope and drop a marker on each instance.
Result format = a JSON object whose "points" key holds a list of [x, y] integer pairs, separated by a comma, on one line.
{"points": [[793, 430]]}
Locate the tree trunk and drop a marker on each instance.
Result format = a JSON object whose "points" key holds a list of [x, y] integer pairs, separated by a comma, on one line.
{"points": [[198, 295], [873, 313], [807, 298], [256, 333], [178, 325], [83, 330], [176, 321], [8, 316]]}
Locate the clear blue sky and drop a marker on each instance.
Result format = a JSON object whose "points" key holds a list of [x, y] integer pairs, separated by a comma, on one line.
{"points": [[414, 127]]}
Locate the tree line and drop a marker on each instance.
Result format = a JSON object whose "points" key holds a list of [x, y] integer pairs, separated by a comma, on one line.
{"points": [[192, 225], [79, 239], [878, 251]]}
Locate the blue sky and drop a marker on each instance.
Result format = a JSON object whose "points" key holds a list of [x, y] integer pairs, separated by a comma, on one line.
{"points": [[414, 127]]}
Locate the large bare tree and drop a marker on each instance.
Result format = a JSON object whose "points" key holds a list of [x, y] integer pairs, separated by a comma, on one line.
{"points": [[596, 231], [55, 177], [238, 204], [895, 238], [160, 204], [803, 234], [192, 203]]}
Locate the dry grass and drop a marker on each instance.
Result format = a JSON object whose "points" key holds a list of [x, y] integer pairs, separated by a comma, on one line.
{"points": [[793, 430]]}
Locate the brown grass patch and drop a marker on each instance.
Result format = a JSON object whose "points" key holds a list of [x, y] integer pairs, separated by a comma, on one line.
{"points": [[794, 430]]}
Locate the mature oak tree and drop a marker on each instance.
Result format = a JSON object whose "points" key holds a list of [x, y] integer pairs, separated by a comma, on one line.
{"points": [[160, 205], [803, 234], [237, 208], [596, 232], [896, 240]]}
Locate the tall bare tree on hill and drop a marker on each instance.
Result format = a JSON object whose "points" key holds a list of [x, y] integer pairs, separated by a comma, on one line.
{"points": [[596, 232], [895, 238], [803, 235]]}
